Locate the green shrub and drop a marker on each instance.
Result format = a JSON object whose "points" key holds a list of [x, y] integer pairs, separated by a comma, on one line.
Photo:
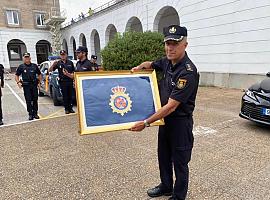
{"points": [[131, 49]]}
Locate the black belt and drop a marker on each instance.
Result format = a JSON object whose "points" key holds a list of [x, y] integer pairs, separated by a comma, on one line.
{"points": [[29, 82]]}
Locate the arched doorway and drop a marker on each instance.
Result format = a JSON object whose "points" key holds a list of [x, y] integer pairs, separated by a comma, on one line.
{"points": [[65, 45], [134, 24], [43, 49], [110, 33], [95, 41], [82, 40], [73, 45], [165, 17], [15, 49]]}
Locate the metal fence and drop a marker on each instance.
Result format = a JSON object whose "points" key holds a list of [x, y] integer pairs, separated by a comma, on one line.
{"points": [[93, 12]]}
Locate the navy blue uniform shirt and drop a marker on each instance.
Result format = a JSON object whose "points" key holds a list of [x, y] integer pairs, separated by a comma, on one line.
{"points": [[28, 72], [1, 78], [68, 66], [179, 82], [83, 66]]}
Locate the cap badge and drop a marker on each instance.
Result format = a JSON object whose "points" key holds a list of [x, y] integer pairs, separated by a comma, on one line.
{"points": [[172, 30]]}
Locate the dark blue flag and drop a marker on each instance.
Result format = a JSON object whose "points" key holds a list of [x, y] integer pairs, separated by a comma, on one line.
{"points": [[117, 100]]}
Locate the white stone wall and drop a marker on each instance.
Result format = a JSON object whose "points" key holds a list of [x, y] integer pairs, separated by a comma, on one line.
{"points": [[225, 36], [29, 37]]}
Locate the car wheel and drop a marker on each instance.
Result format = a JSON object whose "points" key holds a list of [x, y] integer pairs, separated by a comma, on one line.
{"points": [[54, 97]]}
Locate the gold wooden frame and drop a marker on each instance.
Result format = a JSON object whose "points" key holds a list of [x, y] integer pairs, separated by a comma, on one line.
{"points": [[106, 128]]}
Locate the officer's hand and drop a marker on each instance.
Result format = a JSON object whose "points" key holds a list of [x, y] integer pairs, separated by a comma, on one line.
{"points": [[139, 126], [65, 72], [135, 69], [20, 85], [55, 62]]}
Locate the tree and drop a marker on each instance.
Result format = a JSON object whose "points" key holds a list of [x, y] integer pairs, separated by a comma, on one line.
{"points": [[131, 49]]}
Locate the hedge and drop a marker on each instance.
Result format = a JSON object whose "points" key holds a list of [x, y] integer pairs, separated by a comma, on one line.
{"points": [[131, 49]]}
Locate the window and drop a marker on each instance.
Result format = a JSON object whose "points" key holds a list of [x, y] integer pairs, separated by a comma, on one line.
{"points": [[40, 18], [12, 17], [14, 52]]}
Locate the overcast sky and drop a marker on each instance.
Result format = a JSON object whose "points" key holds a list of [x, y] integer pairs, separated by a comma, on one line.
{"points": [[74, 8]]}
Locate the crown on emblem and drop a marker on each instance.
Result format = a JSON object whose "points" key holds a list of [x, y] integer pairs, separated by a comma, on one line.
{"points": [[172, 30], [118, 89]]}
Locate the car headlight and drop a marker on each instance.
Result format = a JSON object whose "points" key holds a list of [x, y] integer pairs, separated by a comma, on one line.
{"points": [[251, 94]]}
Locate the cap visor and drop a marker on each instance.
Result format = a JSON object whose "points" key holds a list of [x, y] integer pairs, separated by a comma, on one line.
{"points": [[173, 38]]}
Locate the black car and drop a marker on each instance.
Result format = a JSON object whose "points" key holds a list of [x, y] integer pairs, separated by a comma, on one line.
{"points": [[256, 102]]}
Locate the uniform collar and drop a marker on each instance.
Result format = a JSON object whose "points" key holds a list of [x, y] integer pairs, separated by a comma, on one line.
{"points": [[64, 62], [28, 64], [179, 64], [83, 61]]}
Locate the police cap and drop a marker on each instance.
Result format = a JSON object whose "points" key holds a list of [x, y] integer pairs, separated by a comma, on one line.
{"points": [[175, 33], [94, 57], [82, 49], [26, 54], [63, 52]]}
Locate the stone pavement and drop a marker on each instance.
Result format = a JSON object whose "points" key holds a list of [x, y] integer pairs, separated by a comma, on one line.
{"points": [[14, 107], [48, 159]]}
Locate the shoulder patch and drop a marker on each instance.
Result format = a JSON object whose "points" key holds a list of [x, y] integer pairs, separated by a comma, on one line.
{"points": [[181, 83], [189, 67]]}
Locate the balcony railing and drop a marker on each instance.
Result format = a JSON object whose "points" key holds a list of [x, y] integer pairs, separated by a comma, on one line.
{"points": [[93, 12]]}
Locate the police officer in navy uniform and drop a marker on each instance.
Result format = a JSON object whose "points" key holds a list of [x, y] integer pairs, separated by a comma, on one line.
{"points": [[66, 82], [83, 64], [31, 77], [178, 90], [1, 86], [93, 62]]}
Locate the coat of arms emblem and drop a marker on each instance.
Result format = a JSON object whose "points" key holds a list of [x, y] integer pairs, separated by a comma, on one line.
{"points": [[120, 101]]}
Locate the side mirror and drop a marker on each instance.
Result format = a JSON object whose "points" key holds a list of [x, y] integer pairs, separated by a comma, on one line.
{"points": [[46, 72], [268, 74]]}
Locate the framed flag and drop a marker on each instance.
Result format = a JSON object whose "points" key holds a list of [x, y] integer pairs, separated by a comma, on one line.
{"points": [[111, 101]]}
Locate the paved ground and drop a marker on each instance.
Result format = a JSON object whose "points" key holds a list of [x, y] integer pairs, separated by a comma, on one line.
{"points": [[49, 160], [14, 107]]}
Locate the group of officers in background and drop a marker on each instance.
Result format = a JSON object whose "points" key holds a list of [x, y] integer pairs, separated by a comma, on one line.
{"points": [[28, 76]]}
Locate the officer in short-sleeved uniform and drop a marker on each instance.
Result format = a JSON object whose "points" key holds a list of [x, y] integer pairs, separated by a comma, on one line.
{"points": [[31, 77], [66, 83], [1, 86], [83, 64], [175, 139]]}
